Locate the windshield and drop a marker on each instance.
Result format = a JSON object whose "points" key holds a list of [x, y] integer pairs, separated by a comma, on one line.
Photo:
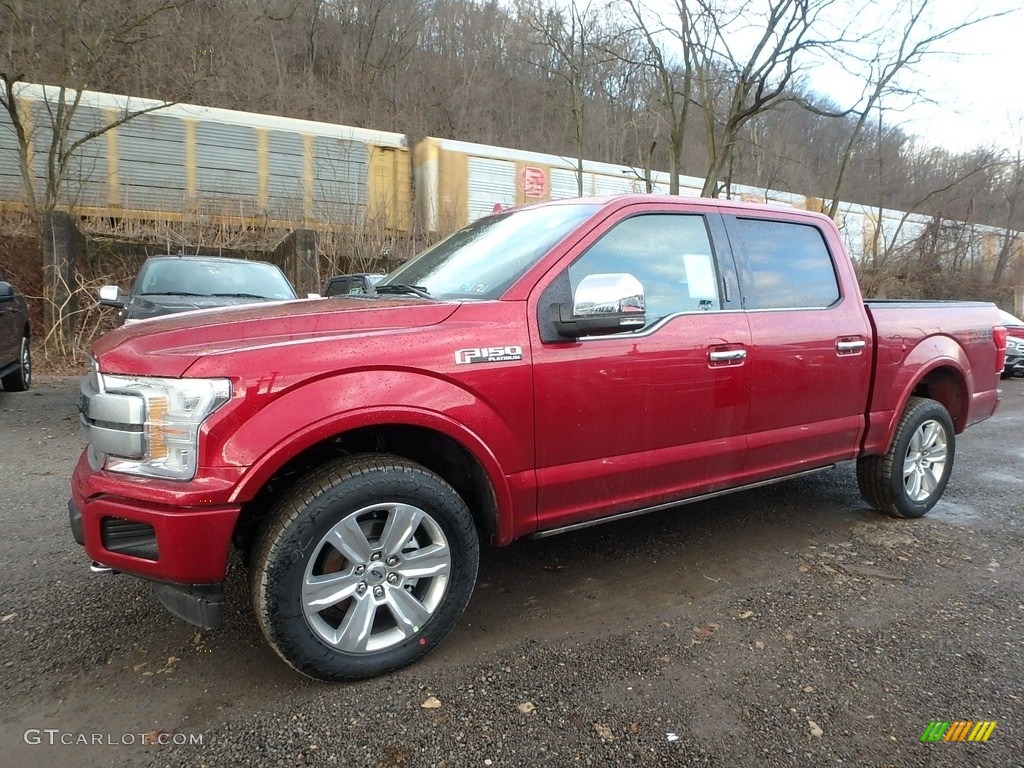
{"points": [[483, 259], [195, 277]]}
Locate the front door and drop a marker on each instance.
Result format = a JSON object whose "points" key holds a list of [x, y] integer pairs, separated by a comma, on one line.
{"points": [[639, 418]]}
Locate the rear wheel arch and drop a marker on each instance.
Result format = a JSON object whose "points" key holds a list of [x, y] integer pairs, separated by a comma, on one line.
{"points": [[947, 385]]}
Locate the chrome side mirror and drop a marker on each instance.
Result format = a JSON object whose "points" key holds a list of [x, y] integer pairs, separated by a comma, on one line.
{"points": [[603, 303], [110, 296]]}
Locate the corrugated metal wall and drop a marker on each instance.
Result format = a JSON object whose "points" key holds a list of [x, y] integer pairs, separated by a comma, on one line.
{"points": [[182, 159], [564, 185], [340, 178], [490, 183], [285, 174], [151, 170]]}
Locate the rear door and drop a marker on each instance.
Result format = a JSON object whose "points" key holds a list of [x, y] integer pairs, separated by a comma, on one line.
{"points": [[810, 355], [637, 418]]}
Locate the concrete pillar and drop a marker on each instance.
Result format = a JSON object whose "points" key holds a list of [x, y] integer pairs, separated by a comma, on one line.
{"points": [[297, 252], [62, 247]]}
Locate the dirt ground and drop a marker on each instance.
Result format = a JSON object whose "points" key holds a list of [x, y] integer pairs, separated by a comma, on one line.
{"points": [[787, 626]]}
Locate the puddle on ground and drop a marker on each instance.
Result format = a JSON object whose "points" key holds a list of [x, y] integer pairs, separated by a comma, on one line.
{"points": [[1003, 477], [958, 514]]}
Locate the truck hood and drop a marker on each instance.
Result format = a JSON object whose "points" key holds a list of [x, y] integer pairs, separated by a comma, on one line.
{"points": [[145, 307], [167, 346]]}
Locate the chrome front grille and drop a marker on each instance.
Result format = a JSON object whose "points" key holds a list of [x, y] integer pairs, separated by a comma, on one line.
{"points": [[111, 424]]}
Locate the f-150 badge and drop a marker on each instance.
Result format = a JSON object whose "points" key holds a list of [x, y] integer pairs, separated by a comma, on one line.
{"points": [[506, 354]]}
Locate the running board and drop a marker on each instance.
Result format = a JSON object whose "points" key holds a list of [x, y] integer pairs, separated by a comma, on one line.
{"points": [[670, 504]]}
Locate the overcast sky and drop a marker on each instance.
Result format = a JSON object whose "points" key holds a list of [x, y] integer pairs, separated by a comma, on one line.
{"points": [[975, 78], [981, 95]]}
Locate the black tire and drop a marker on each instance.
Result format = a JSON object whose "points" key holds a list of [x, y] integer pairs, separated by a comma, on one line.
{"points": [[906, 482], [21, 379], [346, 523]]}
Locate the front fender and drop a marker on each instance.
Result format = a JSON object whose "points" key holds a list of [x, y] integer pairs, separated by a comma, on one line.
{"points": [[308, 414]]}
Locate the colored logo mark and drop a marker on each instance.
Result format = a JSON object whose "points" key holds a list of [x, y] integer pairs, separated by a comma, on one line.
{"points": [[958, 730]]}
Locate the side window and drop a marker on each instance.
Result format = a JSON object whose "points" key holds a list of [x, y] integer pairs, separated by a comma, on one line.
{"points": [[671, 256], [787, 265]]}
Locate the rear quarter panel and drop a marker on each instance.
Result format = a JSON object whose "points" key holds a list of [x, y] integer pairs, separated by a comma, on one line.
{"points": [[943, 349]]}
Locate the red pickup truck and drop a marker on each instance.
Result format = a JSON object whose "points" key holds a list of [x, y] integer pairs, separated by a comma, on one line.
{"points": [[543, 369]]}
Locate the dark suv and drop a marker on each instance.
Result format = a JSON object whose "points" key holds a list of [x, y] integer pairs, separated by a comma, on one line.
{"points": [[351, 285], [168, 284], [15, 352]]}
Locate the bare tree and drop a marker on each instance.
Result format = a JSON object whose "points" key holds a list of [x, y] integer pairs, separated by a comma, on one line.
{"points": [[574, 41], [901, 44], [1012, 190], [752, 57], [675, 75], [93, 42]]}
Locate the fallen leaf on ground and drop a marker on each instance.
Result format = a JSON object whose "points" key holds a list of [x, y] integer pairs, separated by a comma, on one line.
{"points": [[432, 702], [604, 732], [703, 633], [746, 614], [815, 729], [527, 708]]}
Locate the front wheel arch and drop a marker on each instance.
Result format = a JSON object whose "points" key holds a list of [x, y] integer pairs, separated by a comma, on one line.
{"points": [[437, 451]]}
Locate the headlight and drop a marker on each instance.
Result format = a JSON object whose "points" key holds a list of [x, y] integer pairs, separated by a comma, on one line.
{"points": [[171, 414]]}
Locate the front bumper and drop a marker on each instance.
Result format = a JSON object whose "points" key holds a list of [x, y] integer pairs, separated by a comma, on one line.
{"points": [[183, 550]]}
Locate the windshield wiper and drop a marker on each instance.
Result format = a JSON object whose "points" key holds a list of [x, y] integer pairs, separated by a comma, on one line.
{"points": [[172, 293], [238, 296], [416, 290]]}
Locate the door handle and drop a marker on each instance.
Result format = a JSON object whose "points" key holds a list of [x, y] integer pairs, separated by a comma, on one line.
{"points": [[727, 355], [850, 346]]}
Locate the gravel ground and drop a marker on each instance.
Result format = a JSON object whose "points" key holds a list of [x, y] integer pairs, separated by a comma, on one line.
{"points": [[785, 626]]}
